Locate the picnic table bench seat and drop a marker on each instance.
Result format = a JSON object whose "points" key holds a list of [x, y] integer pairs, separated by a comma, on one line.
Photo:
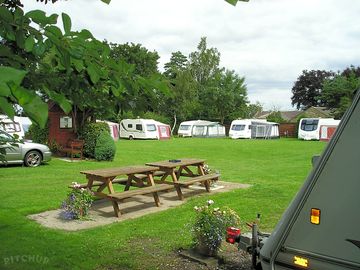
{"points": [[204, 179], [119, 196]]}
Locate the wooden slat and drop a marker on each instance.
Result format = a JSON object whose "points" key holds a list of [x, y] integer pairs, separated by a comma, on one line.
{"points": [[200, 178], [140, 191], [112, 172], [182, 162]]}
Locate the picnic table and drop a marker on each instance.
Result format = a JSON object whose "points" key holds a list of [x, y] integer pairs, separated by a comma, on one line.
{"points": [[184, 167], [104, 178]]}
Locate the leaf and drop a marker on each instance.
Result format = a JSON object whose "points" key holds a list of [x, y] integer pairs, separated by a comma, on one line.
{"points": [[7, 107], [37, 16], [8, 74], [54, 30], [93, 73], [65, 104], [38, 49], [5, 51], [5, 14], [32, 104], [66, 23], [4, 90], [106, 1], [29, 43], [85, 34], [78, 64], [20, 41]]}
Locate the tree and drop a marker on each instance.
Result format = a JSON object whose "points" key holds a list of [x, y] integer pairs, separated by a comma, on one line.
{"points": [[339, 92], [229, 98], [178, 63], [308, 87], [275, 116], [253, 109]]}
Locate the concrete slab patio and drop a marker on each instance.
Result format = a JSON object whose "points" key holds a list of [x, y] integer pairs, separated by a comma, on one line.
{"points": [[102, 212]]}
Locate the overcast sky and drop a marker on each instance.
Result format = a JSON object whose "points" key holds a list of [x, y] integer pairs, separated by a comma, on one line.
{"points": [[269, 42]]}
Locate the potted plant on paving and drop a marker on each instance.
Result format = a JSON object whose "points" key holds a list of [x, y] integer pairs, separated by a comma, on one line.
{"points": [[77, 203], [209, 227]]}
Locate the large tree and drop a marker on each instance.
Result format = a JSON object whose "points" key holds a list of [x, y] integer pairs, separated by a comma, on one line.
{"points": [[308, 87], [339, 92]]}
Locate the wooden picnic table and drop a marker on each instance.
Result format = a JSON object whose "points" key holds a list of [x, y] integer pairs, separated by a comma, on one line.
{"points": [[107, 176], [182, 167]]}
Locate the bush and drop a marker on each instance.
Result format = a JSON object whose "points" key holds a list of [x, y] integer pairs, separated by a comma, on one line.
{"points": [[105, 147], [39, 135], [90, 134]]}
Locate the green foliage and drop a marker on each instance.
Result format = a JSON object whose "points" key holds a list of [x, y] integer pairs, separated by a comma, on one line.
{"points": [[308, 87], [105, 147], [90, 135], [38, 134], [339, 92], [156, 117], [276, 117], [209, 227]]}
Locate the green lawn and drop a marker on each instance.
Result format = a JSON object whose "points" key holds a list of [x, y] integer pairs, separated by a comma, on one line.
{"points": [[275, 168]]}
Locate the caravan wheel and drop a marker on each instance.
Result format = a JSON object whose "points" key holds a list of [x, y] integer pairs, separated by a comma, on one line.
{"points": [[131, 137]]}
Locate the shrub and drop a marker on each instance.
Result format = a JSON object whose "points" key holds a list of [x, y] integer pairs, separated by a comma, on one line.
{"points": [[105, 147], [39, 135], [90, 134]]}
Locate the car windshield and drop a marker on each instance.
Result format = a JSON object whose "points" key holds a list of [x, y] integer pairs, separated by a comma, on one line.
{"points": [[184, 127], [150, 127], [238, 127]]}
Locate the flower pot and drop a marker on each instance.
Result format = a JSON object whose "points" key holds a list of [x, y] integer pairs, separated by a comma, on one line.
{"points": [[202, 249]]}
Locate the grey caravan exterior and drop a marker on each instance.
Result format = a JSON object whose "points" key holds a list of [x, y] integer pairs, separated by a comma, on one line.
{"points": [[208, 130], [321, 227], [264, 130]]}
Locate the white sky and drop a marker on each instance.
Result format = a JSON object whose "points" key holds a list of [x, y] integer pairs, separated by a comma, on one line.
{"points": [[269, 42]]}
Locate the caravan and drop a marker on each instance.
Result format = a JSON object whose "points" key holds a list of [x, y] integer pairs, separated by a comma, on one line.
{"points": [[310, 128], [18, 126], [143, 129], [253, 128], [201, 128]]}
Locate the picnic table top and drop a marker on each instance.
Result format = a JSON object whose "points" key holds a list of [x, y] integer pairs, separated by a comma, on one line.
{"points": [[113, 172], [176, 162]]}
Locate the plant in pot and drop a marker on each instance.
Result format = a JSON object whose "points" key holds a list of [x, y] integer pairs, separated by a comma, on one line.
{"points": [[209, 227], [77, 203]]}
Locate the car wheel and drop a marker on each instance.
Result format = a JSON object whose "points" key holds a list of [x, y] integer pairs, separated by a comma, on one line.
{"points": [[33, 158], [131, 137]]}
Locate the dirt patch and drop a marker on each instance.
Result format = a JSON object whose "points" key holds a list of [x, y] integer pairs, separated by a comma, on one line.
{"points": [[154, 257], [102, 212]]}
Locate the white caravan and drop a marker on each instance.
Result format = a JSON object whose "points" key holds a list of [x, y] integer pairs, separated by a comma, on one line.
{"points": [[186, 128], [253, 128], [139, 129], [14, 127], [309, 128]]}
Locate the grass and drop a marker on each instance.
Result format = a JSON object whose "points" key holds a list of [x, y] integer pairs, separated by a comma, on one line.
{"points": [[275, 169]]}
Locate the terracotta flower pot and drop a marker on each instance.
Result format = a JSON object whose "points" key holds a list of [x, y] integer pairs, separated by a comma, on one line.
{"points": [[204, 250]]}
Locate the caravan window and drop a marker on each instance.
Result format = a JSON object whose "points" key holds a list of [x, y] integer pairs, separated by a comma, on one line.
{"points": [[151, 127], [11, 127], [238, 127], [139, 127], [129, 125], [184, 127], [309, 124]]}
